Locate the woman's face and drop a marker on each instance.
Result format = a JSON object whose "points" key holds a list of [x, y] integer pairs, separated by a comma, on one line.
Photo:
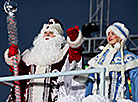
{"points": [[112, 38]]}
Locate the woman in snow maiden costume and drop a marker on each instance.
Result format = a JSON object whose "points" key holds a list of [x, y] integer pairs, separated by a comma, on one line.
{"points": [[121, 67], [50, 53]]}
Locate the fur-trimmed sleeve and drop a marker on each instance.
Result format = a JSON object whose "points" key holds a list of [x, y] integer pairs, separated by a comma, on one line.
{"points": [[77, 42], [75, 48]]}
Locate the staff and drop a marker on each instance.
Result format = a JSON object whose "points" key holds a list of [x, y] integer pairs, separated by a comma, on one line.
{"points": [[10, 8]]}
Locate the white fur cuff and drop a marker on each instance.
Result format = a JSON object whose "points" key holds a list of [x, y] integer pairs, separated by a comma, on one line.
{"points": [[77, 42], [8, 60]]}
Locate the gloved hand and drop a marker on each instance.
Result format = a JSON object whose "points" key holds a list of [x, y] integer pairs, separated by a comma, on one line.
{"points": [[13, 50], [73, 33]]}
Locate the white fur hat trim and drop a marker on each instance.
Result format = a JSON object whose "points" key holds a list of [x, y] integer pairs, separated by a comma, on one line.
{"points": [[56, 28], [119, 29]]}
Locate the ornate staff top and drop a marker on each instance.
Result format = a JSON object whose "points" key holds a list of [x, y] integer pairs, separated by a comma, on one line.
{"points": [[10, 7]]}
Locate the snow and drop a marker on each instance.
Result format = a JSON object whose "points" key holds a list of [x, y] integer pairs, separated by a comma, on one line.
{"points": [[90, 98], [67, 99], [95, 98]]}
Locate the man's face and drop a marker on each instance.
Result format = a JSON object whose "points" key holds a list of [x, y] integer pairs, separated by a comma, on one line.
{"points": [[112, 38], [48, 34]]}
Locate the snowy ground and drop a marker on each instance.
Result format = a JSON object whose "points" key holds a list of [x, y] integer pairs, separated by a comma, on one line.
{"points": [[90, 98]]}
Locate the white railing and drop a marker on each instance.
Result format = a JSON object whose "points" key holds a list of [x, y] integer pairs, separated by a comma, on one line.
{"points": [[101, 71]]}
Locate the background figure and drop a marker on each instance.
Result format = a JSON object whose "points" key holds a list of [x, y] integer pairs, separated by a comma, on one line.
{"points": [[121, 67], [50, 53]]}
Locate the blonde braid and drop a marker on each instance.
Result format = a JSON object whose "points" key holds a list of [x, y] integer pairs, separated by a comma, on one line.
{"points": [[107, 71], [123, 67]]}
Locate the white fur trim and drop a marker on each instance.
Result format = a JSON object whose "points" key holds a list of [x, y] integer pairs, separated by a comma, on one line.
{"points": [[114, 67], [117, 67], [64, 52], [9, 60], [92, 62], [77, 42], [52, 27], [117, 31], [131, 64]]}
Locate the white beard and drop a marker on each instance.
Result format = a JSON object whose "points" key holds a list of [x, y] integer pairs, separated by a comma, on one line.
{"points": [[44, 52]]}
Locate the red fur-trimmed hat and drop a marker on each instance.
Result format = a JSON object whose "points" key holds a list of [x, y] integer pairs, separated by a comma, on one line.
{"points": [[54, 21], [53, 25]]}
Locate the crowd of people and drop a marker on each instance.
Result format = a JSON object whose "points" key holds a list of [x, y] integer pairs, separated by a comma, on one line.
{"points": [[51, 52]]}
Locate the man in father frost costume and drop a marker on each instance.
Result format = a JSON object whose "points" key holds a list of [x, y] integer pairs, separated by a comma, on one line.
{"points": [[50, 53]]}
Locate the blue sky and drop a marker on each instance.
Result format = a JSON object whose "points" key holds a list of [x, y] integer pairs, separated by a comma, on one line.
{"points": [[33, 13]]}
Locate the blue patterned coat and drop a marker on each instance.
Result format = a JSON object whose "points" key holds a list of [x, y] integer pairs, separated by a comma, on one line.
{"points": [[111, 59]]}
